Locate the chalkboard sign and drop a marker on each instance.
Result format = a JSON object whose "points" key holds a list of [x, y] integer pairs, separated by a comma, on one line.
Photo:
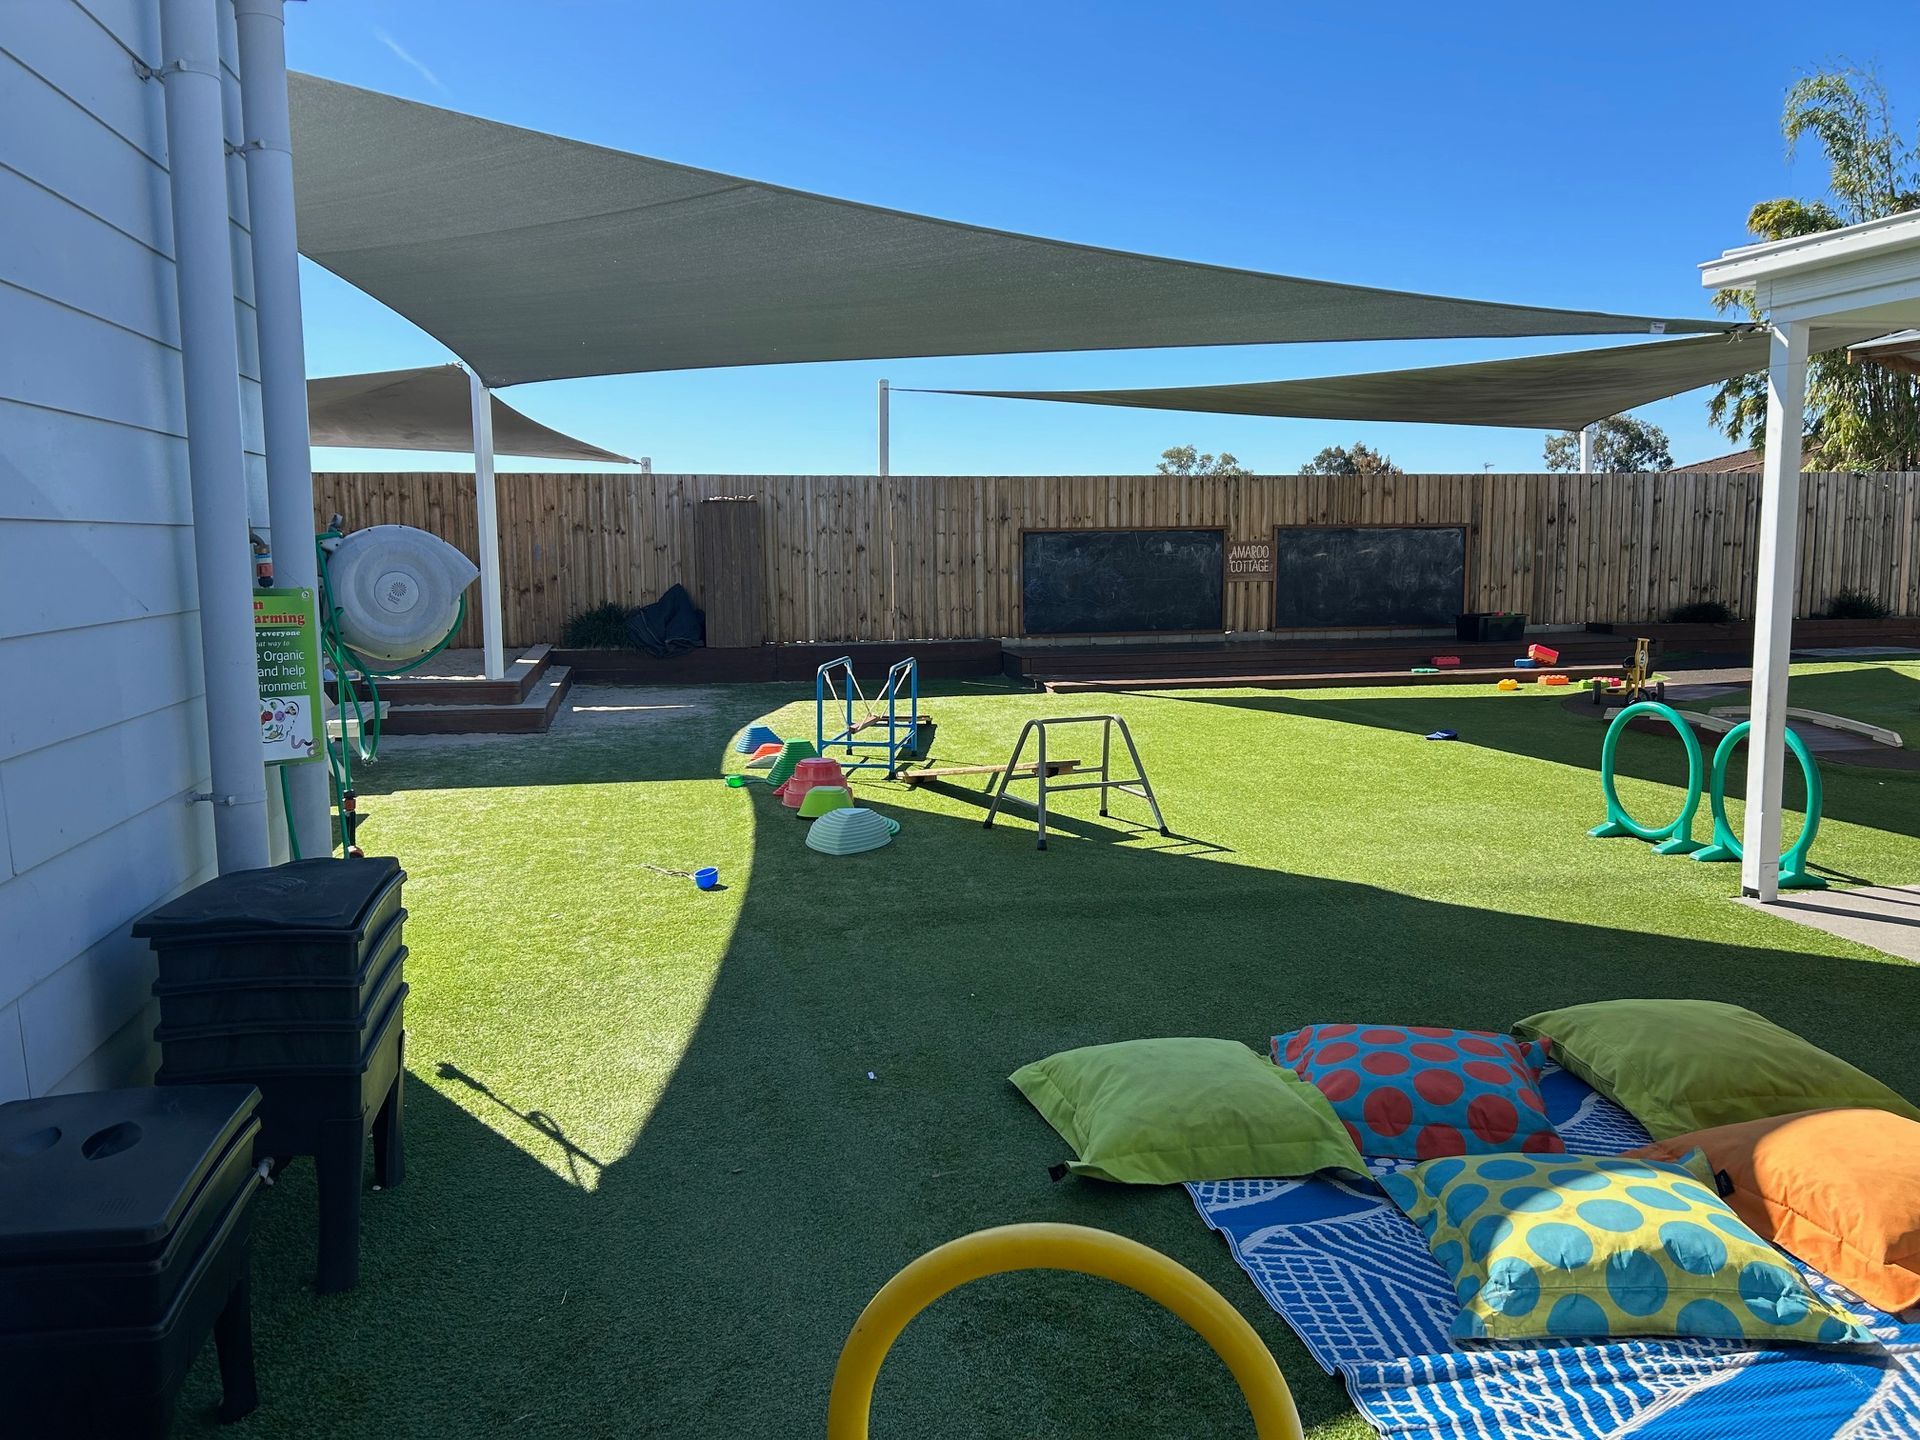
{"points": [[1088, 582], [1361, 577]]}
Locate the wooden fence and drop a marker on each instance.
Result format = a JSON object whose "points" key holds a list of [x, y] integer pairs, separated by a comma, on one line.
{"points": [[855, 557]]}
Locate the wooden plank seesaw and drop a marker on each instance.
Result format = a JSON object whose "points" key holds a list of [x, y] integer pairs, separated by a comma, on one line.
{"points": [[1053, 767]]}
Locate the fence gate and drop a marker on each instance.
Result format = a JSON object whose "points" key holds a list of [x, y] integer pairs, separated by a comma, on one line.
{"points": [[730, 578]]}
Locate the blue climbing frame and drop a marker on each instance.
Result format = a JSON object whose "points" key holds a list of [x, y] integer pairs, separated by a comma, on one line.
{"points": [[902, 732]]}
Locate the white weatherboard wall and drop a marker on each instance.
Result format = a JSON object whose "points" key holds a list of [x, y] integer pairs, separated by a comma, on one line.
{"points": [[102, 725]]}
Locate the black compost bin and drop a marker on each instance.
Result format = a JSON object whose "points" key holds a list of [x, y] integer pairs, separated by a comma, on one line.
{"points": [[124, 1227], [292, 979]]}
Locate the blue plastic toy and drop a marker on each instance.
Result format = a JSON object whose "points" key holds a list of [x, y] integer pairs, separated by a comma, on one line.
{"points": [[707, 878], [753, 737], [1525, 663]]}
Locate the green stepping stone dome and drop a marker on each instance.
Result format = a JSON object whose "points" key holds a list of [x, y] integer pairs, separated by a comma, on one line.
{"points": [[790, 756], [824, 800]]}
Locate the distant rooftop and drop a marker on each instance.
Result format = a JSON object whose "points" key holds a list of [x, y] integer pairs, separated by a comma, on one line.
{"points": [[1740, 462]]}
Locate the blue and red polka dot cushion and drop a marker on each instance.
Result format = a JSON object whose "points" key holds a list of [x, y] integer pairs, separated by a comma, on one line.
{"points": [[1418, 1092]]}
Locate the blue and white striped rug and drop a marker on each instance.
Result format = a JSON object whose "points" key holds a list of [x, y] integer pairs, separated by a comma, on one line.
{"points": [[1352, 1277]]}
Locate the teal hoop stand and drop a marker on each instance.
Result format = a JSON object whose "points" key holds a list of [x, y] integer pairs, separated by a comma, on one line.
{"points": [[1676, 837], [1726, 845]]}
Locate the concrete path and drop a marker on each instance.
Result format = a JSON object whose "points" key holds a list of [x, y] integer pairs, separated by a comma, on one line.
{"points": [[1886, 917]]}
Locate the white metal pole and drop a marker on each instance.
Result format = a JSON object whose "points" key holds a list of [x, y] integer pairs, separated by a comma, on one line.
{"points": [[268, 147], [1586, 450], [886, 429], [216, 470], [487, 508], [1773, 616]]}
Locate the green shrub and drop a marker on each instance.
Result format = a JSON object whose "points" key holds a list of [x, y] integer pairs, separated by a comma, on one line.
{"points": [[1701, 612], [1856, 605], [604, 627]]}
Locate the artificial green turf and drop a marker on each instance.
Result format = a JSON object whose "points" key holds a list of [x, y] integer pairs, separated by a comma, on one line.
{"points": [[663, 1145]]}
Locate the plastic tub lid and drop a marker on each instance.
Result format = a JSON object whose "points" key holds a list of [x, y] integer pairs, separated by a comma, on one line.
{"points": [[86, 1176], [330, 897]]}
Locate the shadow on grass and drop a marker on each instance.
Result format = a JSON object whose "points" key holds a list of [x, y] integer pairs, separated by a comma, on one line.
{"points": [[841, 1107], [1531, 726]]}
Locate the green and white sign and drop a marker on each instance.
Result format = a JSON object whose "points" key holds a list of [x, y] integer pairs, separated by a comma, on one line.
{"points": [[286, 646]]}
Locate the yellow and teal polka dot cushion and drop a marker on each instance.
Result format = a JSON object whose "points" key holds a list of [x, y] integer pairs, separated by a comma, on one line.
{"points": [[1582, 1248]]}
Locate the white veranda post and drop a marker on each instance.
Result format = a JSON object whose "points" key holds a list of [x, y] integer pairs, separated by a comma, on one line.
{"points": [[487, 512], [1586, 450], [886, 429], [1864, 278], [1773, 615]]}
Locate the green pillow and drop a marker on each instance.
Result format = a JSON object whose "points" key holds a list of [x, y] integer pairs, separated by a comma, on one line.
{"points": [[1685, 1065], [1157, 1112], [1572, 1247]]}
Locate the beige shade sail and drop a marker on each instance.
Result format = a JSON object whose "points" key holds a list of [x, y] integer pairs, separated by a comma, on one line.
{"points": [[428, 409], [1555, 392], [534, 258]]}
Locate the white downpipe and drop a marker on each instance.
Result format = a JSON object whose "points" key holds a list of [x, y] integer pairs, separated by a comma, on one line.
{"points": [[1773, 616], [268, 141], [210, 360], [886, 429], [487, 510]]}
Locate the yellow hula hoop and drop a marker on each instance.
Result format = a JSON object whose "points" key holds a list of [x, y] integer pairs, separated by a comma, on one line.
{"points": [[1056, 1247]]}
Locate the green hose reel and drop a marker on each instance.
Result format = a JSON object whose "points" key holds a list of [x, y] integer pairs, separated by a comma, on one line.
{"points": [[1676, 837]]}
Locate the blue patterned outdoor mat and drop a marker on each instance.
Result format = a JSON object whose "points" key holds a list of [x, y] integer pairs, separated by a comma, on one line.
{"points": [[1352, 1277]]}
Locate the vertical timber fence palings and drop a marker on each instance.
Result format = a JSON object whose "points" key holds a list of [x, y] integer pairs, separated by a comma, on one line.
{"points": [[863, 557]]}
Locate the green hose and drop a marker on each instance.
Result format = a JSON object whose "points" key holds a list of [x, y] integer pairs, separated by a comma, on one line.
{"points": [[286, 806]]}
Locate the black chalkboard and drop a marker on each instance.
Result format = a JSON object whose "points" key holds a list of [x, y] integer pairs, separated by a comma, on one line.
{"points": [[1088, 582], [1365, 576]]}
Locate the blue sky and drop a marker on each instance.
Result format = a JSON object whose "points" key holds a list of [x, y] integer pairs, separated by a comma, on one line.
{"points": [[1587, 156]]}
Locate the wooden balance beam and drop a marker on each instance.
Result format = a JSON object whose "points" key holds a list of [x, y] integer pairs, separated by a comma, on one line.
{"points": [[1054, 767]]}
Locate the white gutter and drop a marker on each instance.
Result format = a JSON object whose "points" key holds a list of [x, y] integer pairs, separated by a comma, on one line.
{"points": [[267, 143], [210, 361]]}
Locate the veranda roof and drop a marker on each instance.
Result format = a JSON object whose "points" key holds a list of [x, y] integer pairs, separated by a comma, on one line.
{"points": [[1897, 352], [427, 409], [1556, 392], [533, 257]]}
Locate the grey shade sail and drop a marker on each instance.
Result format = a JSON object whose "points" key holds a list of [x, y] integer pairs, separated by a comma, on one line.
{"points": [[1554, 392], [427, 409], [535, 258]]}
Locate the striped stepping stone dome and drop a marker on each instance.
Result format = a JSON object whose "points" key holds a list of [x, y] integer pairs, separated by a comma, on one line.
{"points": [[753, 737], [850, 831]]}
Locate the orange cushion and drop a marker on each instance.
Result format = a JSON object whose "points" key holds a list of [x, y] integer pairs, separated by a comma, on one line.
{"points": [[1840, 1189]]}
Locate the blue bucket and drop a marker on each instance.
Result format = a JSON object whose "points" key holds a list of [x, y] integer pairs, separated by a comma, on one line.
{"points": [[706, 879]]}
